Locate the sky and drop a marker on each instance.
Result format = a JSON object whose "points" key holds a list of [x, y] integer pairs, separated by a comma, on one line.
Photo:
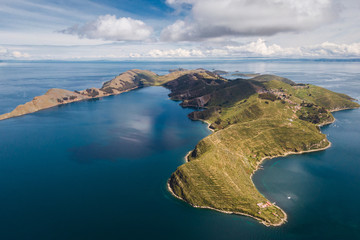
{"points": [[167, 29]]}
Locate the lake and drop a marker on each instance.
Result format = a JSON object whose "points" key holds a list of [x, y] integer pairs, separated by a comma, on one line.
{"points": [[98, 169]]}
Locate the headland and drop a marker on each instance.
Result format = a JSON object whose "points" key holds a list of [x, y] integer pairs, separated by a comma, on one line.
{"points": [[252, 120]]}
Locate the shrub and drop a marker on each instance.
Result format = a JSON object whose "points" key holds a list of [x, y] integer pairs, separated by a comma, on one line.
{"points": [[268, 96]]}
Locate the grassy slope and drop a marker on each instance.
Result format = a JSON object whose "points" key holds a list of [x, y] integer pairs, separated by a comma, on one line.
{"points": [[247, 130], [242, 110], [332, 101], [160, 80]]}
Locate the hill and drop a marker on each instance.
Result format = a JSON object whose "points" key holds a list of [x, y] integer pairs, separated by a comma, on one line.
{"points": [[253, 119]]}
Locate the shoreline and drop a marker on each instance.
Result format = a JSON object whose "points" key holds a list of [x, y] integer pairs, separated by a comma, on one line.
{"points": [[208, 125], [327, 123], [187, 155], [255, 166], [289, 153], [226, 212], [283, 220], [341, 109], [6, 116]]}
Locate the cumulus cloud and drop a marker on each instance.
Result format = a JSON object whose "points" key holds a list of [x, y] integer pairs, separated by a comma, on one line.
{"points": [[260, 48], [108, 27], [179, 52], [334, 50], [231, 49], [213, 18], [11, 54]]}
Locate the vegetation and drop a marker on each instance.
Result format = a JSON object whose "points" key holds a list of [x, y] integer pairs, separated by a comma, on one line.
{"points": [[263, 117], [268, 77], [219, 169], [254, 119], [268, 96]]}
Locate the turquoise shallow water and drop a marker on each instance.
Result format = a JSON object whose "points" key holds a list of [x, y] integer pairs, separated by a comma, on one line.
{"points": [[98, 169]]}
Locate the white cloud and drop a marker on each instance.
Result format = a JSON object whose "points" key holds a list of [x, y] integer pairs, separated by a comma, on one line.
{"points": [[135, 55], [108, 27], [213, 18], [334, 50], [179, 52], [261, 48], [12, 54], [130, 50]]}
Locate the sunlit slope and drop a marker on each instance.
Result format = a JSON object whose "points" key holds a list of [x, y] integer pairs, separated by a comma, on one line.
{"points": [[218, 174], [278, 118], [322, 97], [308, 102]]}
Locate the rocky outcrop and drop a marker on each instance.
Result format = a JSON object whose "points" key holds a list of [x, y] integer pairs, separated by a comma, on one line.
{"points": [[198, 102]]}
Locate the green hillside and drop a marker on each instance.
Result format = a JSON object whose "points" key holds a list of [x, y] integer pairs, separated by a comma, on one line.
{"points": [[264, 117]]}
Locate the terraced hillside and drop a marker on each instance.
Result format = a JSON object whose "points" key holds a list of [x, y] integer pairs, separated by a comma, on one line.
{"points": [[255, 119]]}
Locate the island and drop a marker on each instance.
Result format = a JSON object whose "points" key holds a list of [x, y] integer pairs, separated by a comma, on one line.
{"points": [[252, 120]]}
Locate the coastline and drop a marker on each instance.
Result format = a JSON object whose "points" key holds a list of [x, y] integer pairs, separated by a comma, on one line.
{"points": [[255, 166], [8, 115], [187, 155], [208, 125], [341, 109], [287, 154], [334, 119], [283, 220], [228, 212]]}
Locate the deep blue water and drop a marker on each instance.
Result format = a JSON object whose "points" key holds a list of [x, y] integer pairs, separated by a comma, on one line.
{"points": [[98, 169]]}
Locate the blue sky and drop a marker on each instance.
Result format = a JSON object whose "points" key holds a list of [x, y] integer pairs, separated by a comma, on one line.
{"points": [[139, 29]]}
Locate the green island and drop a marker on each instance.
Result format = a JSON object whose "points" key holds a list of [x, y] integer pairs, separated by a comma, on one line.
{"points": [[252, 120]]}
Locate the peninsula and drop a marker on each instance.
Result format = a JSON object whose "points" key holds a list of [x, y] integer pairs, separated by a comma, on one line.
{"points": [[252, 120]]}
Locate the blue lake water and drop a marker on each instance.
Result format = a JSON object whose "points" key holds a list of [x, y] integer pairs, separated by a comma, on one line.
{"points": [[98, 169]]}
